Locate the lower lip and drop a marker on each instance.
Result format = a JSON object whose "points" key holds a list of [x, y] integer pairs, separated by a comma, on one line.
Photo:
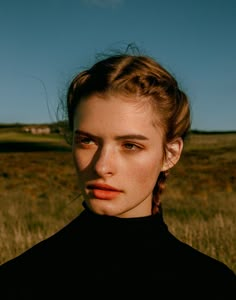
{"points": [[105, 194]]}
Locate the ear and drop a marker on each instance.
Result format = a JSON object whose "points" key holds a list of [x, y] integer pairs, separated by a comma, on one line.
{"points": [[173, 153]]}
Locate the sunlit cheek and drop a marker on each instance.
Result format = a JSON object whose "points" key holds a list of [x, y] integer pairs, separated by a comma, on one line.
{"points": [[148, 172]]}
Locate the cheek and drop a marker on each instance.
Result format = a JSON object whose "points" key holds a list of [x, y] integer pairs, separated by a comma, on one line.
{"points": [[146, 172], [80, 161]]}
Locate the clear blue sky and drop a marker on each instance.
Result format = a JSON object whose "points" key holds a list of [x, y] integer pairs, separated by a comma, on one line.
{"points": [[44, 43]]}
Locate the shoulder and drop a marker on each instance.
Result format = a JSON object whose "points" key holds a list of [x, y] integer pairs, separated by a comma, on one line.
{"points": [[44, 252], [195, 262], [30, 258]]}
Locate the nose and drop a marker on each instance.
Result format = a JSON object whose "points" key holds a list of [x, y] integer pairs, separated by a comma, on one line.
{"points": [[104, 162]]}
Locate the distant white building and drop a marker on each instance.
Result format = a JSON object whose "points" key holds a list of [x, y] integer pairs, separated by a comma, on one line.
{"points": [[37, 129]]}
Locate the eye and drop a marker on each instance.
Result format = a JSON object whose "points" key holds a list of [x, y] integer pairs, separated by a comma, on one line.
{"points": [[84, 141], [131, 146]]}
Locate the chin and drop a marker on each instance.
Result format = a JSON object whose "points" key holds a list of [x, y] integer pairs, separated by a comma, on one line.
{"points": [[99, 207], [103, 207]]}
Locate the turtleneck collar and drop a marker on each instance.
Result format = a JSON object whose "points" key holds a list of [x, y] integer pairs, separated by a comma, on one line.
{"points": [[136, 226]]}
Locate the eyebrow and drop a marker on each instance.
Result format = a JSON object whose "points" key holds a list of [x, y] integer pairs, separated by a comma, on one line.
{"points": [[132, 137], [121, 137]]}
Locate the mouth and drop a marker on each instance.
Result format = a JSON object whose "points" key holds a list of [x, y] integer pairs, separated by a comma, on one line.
{"points": [[103, 191]]}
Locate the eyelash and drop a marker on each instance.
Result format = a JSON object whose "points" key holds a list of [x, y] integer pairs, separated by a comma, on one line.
{"points": [[133, 147], [84, 141]]}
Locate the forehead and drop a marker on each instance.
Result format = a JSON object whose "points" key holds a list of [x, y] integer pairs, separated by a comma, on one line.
{"points": [[116, 115], [113, 108]]}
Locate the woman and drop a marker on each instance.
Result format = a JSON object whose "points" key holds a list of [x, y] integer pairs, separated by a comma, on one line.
{"points": [[129, 120]]}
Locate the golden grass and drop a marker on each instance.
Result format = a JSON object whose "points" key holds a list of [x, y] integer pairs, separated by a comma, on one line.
{"points": [[38, 189]]}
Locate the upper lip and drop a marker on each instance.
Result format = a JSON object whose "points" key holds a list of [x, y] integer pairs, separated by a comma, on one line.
{"points": [[102, 186]]}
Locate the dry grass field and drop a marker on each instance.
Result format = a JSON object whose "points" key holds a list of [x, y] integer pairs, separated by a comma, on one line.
{"points": [[39, 192]]}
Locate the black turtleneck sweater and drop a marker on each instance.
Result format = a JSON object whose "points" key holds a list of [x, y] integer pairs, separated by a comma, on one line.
{"points": [[98, 256]]}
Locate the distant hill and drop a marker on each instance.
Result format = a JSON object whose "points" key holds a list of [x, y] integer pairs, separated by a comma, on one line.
{"points": [[195, 131], [58, 126]]}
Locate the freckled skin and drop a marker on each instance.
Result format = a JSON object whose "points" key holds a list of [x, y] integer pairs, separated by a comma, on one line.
{"points": [[104, 154]]}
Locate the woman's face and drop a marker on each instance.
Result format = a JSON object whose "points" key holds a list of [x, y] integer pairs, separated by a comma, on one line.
{"points": [[118, 154]]}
